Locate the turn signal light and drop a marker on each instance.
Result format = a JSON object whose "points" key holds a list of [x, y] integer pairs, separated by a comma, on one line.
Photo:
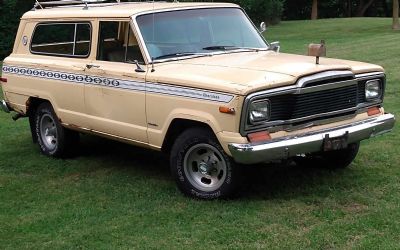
{"points": [[226, 110], [259, 136], [2, 79], [373, 111]]}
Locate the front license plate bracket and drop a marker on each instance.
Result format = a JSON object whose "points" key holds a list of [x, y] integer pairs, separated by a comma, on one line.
{"points": [[335, 143]]}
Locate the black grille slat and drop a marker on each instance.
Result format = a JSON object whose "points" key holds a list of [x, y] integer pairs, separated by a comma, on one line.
{"points": [[293, 106], [361, 92], [327, 96], [323, 106], [323, 101]]}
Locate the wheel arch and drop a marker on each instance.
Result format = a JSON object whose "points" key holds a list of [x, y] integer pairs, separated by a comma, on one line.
{"points": [[31, 106], [177, 126]]}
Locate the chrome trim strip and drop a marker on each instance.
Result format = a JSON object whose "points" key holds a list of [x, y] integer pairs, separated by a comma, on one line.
{"points": [[364, 76], [297, 86], [140, 39], [328, 86], [305, 118], [297, 90], [326, 75], [74, 45], [289, 146], [292, 128]]}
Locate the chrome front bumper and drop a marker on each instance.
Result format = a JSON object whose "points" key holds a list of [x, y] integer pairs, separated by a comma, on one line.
{"points": [[4, 106], [289, 146]]}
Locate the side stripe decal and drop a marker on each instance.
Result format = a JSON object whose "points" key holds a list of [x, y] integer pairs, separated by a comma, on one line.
{"points": [[121, 84]]}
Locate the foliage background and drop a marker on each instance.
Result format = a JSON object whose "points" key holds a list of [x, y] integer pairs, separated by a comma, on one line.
{"points": [[270, 11], [11, 11]]}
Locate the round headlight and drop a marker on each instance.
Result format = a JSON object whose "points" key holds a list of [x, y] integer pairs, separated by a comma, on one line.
{"points": [[373, 90], [259, 111]]}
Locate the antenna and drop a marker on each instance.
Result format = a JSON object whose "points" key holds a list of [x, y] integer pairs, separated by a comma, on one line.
{"points": [[37, 4], [152, 58]]}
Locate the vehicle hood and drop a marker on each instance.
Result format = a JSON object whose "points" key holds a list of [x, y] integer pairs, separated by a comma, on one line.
{"points": [[246, 72]]}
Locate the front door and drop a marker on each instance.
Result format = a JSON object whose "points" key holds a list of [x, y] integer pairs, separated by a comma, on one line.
{"points": [[115, 95]]}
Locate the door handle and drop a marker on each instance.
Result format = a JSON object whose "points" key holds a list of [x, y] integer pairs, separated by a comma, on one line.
{"points": [[90, 66]]}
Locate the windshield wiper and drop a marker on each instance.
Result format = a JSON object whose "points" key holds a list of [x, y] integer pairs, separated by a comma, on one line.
{"points": [[180, 54], [227, 48], [220, 47]]}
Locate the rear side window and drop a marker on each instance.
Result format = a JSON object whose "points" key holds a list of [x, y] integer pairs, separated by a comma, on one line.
{"points": [[62, 39]]}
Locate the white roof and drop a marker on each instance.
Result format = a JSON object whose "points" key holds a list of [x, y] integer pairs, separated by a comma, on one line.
{"points": [[121, 10]]}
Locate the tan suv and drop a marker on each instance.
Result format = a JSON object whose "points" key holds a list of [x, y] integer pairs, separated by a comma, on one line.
{"points": [[196, 80]]}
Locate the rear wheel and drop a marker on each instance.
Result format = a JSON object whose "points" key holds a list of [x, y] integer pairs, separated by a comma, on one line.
{"points": [[53, 139], [200, 166], [337, 159]]}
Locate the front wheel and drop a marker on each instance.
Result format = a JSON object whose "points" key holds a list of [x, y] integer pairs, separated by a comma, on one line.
{"points": [[200, 166]]}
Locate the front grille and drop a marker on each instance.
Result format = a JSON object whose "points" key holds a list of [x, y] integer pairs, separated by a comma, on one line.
{"points": [[289, 106], [316, 101]]}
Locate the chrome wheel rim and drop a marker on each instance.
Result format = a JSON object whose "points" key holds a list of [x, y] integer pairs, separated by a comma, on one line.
{"points": [[48, 132], [205, 167]]}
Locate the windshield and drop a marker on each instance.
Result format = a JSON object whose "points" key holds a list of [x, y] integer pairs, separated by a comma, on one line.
{"points": [[198, 32]]}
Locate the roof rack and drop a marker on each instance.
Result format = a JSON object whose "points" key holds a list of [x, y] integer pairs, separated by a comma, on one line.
{"points": [[50, 4]]}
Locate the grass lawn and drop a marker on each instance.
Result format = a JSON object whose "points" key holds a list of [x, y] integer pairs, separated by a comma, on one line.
{"points": [[118, 196]]}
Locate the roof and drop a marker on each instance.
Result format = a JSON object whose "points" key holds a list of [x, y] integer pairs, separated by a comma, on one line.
{"points": [[121, 10]]}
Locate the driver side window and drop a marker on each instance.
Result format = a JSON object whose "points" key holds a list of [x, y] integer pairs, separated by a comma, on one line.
{"points": [[117, 43]]}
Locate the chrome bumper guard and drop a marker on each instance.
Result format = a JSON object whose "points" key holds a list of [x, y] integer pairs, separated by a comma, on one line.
{"points": [[4, 106], [290, 146]]}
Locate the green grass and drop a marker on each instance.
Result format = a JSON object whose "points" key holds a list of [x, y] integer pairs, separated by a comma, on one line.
{"points": [[118, 196]]}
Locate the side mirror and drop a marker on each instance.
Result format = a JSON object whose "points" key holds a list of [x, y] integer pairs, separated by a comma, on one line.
{"points": [[317, 50], [263, 27], [275, 46]]}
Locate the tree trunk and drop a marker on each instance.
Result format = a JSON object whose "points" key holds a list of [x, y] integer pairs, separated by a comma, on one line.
{"points": [[348, 8], [385, 8], [396, 24], [314, 11], [363, 7]]}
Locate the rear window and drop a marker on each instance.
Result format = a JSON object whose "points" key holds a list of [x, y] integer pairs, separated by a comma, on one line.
{"points": [[62, 39]]}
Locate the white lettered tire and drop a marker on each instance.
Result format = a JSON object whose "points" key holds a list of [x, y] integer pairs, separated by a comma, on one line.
{"points": [[200, 166]]}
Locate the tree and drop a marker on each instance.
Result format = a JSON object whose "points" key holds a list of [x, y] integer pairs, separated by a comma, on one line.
{"points": [[363, 7], [396, 24], [11, 11], [314, 10]]}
